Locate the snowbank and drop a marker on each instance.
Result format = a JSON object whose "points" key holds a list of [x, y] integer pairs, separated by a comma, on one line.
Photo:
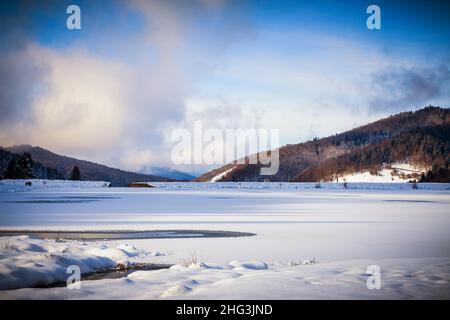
{"points": [[426, 278], [29, 262], [27, 184], [252, 265]]}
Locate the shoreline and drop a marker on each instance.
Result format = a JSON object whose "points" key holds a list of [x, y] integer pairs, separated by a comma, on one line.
{"points": [[124, 234]]}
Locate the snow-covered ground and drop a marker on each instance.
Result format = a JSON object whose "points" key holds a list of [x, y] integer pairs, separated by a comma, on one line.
{"points": [[384, 185], [400, 279], [371, 182], [402, 230], [27, 262], [9, 185]]}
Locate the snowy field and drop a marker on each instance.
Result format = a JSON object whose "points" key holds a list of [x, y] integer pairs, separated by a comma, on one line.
{"points": [[402, 230], [12, 185]]}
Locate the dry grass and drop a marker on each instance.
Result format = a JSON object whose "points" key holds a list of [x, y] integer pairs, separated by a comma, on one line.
{"points": [[304, 262], [193, 259], [7, 245]]}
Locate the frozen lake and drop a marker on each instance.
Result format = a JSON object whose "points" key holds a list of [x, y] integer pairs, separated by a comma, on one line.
{"points": [[401, 230], [290, 224]]}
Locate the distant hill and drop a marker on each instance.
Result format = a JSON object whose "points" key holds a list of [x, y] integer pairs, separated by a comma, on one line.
{"points": [[89, 170], [171, 174], [420, 137]]}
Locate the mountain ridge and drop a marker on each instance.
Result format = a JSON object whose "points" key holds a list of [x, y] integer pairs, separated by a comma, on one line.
{"points": [[171, 173], [89, 170]]}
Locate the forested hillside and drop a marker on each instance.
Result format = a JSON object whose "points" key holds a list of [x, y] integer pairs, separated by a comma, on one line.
{"points": [[408, 136]]}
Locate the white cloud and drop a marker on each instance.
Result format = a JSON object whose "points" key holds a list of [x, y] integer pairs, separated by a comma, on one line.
{"points": [[309, 84], [83, 105]]}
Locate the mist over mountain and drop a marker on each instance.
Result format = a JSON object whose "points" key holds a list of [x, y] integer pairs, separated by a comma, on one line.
{"points": [[171, 173], [416, 138]]}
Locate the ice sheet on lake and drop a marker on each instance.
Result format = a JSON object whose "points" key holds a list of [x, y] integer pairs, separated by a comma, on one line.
{"points": [[403, 230]]}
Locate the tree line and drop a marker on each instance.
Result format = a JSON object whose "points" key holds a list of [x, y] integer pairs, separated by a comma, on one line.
{"points": [[16, 166]]}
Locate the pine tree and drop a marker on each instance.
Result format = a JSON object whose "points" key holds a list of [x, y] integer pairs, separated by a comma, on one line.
{"points": [[75, 175], [15, 171], [26, 164]]}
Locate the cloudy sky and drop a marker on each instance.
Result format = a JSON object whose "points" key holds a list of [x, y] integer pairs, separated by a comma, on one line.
{"points": [[114, 91]]}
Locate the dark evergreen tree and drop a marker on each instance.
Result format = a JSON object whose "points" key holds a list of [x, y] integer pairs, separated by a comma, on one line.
{"points": [[15, 170], [16, 166], [26, 164], [75, 175]]}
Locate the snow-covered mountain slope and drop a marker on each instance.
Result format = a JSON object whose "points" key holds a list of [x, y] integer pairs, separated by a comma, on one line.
{"points": [[221, 175], [393, 173]]}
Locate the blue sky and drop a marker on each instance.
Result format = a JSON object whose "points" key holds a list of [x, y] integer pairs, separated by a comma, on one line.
{"points": [[137, 70], [403, 21]]}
